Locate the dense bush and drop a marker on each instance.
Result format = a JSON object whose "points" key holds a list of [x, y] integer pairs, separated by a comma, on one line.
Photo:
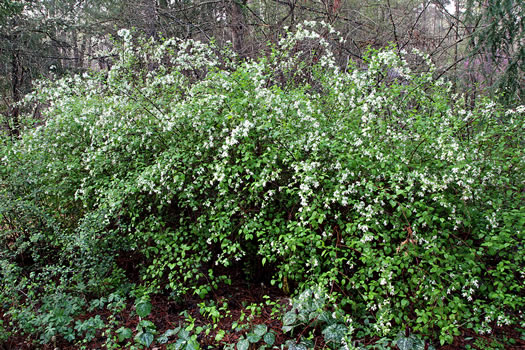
{"points": [[371, 182]]}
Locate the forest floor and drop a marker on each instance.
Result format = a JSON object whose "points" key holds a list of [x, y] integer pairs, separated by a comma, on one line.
{"points": [[240, 295]]}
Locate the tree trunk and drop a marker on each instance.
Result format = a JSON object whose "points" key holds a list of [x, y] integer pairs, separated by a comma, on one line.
{"points": [[16, 81], [237, 24], [456, 78]]}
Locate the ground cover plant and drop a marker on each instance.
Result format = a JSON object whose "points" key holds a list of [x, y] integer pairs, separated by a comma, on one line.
{"points": [[386, 211]]}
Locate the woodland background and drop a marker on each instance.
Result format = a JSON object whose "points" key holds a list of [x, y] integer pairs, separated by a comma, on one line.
{"points": [[479, 44]]}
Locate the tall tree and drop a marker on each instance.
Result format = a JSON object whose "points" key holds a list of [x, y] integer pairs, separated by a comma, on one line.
{"points": [[499, 43], [11, 69]]}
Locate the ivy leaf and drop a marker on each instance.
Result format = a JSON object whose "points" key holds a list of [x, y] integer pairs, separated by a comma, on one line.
{"points": [[326, 317], [147, 325], [179, 344], [405, 343], [163, 339], [123, 334], [184, 334], [145, 338], [192, 345], [269, 338], [172, 332], [143, 308], [313, 315], [294, 346], [287, 328], [419, 344], [303, 317], [253, 338], [289, 318], [260, 329], [243, 344], [334, 333]]}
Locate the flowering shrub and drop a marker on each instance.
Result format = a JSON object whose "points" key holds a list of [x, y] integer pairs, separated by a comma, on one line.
{"points": [[380, 187]]}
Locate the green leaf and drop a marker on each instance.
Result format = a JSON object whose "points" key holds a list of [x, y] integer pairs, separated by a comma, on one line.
{"points": [[123, 334], [70, 336], [253, 338], [294, 346], [405, 343], [172, 332], [145, 338], [184, 334], [419, 344], [192, 345], [269, 338], [147, 325], [326, 317], [143, 308], [287, 328], [260, 329], [289, 318], [243, 344], [334, 333], [220, 335], [179, 344], [313, 315], [164, 338]]}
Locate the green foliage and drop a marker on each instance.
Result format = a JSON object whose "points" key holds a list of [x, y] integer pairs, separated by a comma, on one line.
{"points": [[143, 308], [259, 333], [412, 342], [312, 309], [124, 333], [303, 345], [53, 318], [408, 207], [88, 328], [9, 8], [185, 341], [145, 333], [4, 333], [214, 312]]}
